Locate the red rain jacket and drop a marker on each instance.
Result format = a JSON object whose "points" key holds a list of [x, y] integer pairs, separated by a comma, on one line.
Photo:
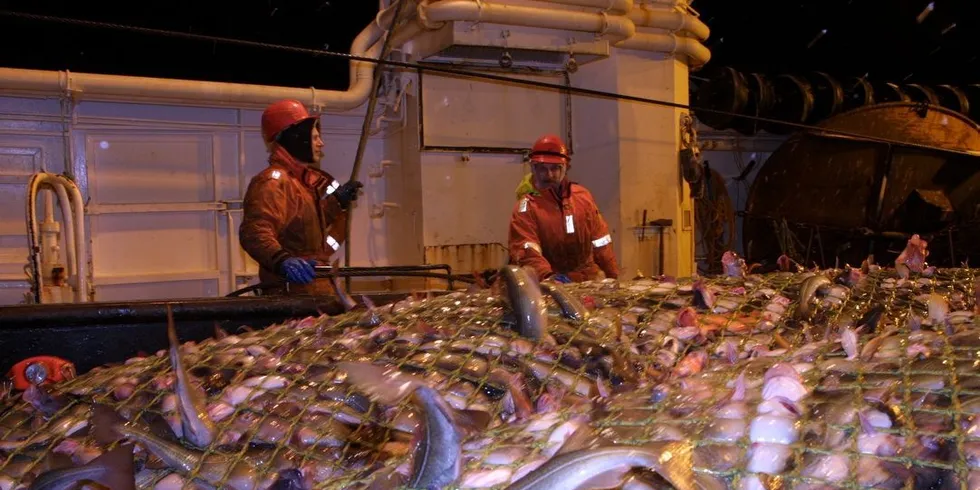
{"points": [[286, 216], [562, 232]]}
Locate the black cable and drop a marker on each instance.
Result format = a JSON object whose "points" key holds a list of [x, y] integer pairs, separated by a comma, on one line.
{"points": [[365, 128], [484, 76]]}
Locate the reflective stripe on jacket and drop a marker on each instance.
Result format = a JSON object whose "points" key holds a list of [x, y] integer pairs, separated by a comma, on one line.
{"points": [[562, 235]]}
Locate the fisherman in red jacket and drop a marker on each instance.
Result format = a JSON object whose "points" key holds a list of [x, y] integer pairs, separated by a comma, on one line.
{"points": [[556, 228], [294, 213]]}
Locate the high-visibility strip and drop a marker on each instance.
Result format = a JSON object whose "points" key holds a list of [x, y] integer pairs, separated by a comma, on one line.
{"points": [[523, 207], [569, 224], [602, 242], [532, 246], [333, 243], [333, 187]]}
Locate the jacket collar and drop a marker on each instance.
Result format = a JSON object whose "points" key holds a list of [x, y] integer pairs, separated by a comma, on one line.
{"points": [[559, 194], [309, 175]]}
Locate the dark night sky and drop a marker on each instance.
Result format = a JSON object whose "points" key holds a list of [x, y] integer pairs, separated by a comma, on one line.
{"points": [[881, 38]]}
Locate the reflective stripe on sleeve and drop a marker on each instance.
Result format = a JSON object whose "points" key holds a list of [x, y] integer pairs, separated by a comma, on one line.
{"points": [[332, 187], [333, 243], [602, 242], [533, 246]]}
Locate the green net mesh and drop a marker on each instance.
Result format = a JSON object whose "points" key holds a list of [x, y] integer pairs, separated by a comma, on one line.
{"points": [[885, 394]]}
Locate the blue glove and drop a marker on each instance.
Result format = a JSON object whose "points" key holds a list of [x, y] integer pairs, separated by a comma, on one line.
{"points": [[298, 271], [562, 278]]}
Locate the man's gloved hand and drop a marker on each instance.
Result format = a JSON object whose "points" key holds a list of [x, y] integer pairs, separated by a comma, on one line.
{"points": [[347, 193], [298, 271], [562, 278]]}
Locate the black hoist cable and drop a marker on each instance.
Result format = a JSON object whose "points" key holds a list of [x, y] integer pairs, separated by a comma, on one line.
{"points": [[366, 127]]}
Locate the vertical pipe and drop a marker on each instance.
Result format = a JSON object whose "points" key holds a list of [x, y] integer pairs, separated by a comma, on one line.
{"points": [[69, 230], [47, 240], [36, 280], [231, 251], [366, 127], [78, 206]]}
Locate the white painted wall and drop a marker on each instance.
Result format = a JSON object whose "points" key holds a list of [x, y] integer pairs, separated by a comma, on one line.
{"points": [[156, 180]]}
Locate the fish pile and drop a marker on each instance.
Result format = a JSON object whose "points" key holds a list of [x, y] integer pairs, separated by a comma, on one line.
{"points": [[836, 378]]}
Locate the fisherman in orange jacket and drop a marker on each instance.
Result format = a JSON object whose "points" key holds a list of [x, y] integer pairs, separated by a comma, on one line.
{"points": [[556, 228], [295, 215]]}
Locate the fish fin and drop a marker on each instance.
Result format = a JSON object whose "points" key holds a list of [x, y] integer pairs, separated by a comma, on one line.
{"points": [[471, 420], [849, 342], [104, 422], [678, 469], [219, 333], [368, 303], [291, 479], [585, 437], [738, 391], [731, 352], [120, 473], [866, 423], [388, 480]]}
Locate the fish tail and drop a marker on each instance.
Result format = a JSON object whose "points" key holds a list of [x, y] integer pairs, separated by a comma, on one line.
{"points": [[104, 423], [120, 473], [113, 469]]}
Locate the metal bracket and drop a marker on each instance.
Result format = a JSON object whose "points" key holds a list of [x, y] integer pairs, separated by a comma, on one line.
{"points": [[378, 210], [379, 171]]}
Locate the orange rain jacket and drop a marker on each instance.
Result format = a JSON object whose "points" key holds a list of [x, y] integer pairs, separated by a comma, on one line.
{"points": [[562, 232], [286, 216]]}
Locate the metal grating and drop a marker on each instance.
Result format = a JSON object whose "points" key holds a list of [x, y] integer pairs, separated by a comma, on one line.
{"points": [[730, 372]]}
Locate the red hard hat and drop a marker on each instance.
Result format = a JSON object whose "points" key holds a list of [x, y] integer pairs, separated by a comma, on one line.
{"points": [[281, 115], [550, 149]]}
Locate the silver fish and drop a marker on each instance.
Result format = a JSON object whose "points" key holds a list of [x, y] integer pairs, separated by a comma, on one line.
{"points": [[808, 290], [607, 467], [525, 299], [570, 305], [436, 460], [191, 405]]}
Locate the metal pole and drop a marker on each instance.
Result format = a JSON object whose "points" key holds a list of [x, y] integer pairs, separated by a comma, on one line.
{"points": [[366, 127]]}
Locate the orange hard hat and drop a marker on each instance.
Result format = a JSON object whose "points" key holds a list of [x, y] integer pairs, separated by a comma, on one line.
{"points": [[281, 115], [550, 149]]}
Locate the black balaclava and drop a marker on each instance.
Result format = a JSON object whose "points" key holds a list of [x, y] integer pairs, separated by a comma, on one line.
{"points": [[298, 140]]}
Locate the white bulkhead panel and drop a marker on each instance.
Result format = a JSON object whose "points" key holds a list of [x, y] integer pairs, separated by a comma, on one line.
{"points": [[31, 140], [469, 201]]}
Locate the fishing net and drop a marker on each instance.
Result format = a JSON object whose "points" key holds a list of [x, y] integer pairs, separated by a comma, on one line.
{"points": [[653, 362]]}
